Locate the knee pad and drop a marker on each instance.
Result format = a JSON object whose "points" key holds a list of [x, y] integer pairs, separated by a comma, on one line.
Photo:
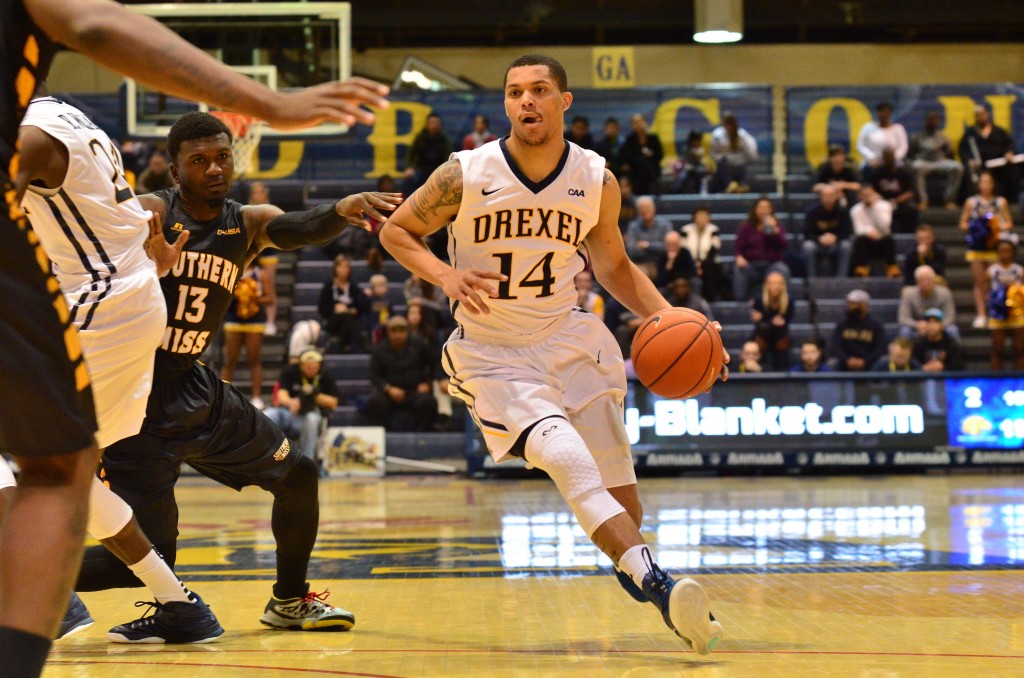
{"points": [[558, 449], [108, 513], [6, 475]]}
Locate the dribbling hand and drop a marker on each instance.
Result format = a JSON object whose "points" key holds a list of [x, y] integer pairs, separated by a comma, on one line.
{"points": [[164, 254], [355, 206], [464, 286], [328, 102]]}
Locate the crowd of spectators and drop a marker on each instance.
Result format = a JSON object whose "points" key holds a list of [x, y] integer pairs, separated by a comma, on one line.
{"points": [[848, 232]]}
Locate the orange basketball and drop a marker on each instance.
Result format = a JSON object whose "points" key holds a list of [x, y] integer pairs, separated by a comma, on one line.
{"points": [[677, 353]]}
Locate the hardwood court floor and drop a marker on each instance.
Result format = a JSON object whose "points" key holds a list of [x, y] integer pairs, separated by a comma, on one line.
{"points": [[901, 576]]}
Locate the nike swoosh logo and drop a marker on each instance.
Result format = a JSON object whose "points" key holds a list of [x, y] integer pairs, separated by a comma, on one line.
{"points": [[486, 192]]}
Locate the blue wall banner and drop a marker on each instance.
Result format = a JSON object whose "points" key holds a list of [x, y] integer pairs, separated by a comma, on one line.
{"points": [[369, 152], [819, 116]]}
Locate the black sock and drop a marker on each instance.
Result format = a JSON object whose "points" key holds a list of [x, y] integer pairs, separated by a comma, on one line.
{"points": [[22, 654], [295, 521]]}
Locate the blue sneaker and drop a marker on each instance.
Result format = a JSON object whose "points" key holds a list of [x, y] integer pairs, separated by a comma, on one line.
{"points": [[172, 623], [684, 606], [627, 583], [76, 619]]}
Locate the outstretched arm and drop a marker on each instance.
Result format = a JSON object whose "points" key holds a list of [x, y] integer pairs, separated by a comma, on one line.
{"points": [[270, 226], [429, 209], [141, 47]]}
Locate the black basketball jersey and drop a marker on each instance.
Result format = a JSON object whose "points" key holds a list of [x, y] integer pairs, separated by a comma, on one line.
{"points": [[25, 56], [200, 287]]}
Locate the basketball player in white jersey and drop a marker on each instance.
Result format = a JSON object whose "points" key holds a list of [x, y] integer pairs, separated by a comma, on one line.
{"points": [[545, 381], [95, 232]]}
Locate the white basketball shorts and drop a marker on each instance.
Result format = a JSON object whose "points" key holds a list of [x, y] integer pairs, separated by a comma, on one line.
{"points": [[576, 373], [119, 344]]}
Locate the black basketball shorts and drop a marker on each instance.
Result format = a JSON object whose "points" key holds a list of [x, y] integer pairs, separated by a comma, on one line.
{"points": [[198, 419]]}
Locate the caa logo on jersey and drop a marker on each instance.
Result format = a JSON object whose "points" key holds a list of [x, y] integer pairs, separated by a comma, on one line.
{"points": [[577, 193]]}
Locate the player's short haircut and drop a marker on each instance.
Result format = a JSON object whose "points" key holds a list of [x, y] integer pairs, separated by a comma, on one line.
{"points": [[192, 126], [554, 68]]}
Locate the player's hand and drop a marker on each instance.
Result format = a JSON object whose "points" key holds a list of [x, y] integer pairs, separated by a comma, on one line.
{"points": [[329, 102], [465, 286], [724, 375], [164, 254], [359, 205]]}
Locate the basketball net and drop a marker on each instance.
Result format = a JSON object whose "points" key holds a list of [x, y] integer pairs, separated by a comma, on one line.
{"points": [[246, 132]]}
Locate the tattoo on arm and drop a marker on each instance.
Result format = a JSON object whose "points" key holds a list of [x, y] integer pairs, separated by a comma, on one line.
{"points": [[443, 189]]}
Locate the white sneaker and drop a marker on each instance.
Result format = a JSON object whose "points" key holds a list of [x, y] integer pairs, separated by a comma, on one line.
{"points": [[269, 330], [979, 323], [258, 403]]}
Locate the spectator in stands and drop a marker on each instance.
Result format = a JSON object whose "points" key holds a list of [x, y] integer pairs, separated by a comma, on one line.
{"points": [[245, 321], [705, 243], [259, 194], [675, 261], [772, 313], [586, 297], [877, 135], [918, 298], [925, 252], [811, 359], [380, 311], [858, 339], [760, 244], [984, 142], [899, 359], [429, 297], [828, 232], [480, 135], [874, 250], [750, 359], [579, 132], [932, 153], [421, 329], [402, 373], [429, 149], [985, 218], [622, 323], [627, 213], [691, 167], [135, 156], [306, 397], [343, 307], [936, 350], [645, 238], [641, 156], [680, 294], [1006, 305], [610, 145], [835, 172], [895, 184], [732, 149], [156, 176]]}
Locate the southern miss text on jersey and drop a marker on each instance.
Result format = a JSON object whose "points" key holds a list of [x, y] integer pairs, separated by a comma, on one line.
{"points": [[530, 231], [200, 286]]}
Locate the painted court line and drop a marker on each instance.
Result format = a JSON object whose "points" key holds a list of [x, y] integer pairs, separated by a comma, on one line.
{"points": [[294, 669]]}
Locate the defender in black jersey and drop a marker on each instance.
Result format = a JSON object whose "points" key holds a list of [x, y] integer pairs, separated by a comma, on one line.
{"points": [[192, 415]]}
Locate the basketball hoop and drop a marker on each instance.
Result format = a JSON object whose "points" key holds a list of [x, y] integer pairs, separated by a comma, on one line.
{"points": [[246, 132]]}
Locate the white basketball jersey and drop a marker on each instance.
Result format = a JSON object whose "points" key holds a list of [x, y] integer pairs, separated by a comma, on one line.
{"points": [[92, 227], [530, 231]]}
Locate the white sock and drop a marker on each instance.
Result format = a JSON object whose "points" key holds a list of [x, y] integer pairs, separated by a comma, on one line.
{"points": [[632, 563], [160, 579]]}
